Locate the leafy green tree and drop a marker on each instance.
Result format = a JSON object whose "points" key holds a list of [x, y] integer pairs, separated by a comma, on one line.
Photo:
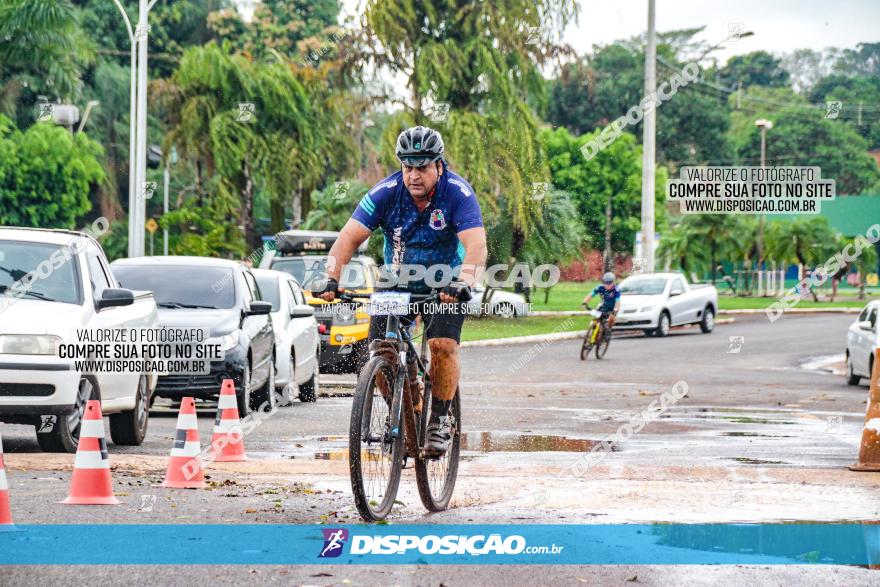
{"points": [[482, 59], [42, 51], [604, 85], [278, 146], [860, 97], [334, 205], [802, 136], [615, 173], [278, 27], [758, 68], [46, 175]]}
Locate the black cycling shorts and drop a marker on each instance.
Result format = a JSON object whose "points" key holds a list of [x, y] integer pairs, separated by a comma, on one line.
{"points": [[441, 321]]}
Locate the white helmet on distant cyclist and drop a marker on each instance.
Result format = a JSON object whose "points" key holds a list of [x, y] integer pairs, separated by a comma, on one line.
{"points": [[608, 278]]}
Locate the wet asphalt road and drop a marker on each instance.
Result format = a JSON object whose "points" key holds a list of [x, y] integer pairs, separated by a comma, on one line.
{"points": [[756, 438]]}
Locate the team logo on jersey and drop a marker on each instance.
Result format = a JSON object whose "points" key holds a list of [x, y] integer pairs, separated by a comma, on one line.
{"points": [[438, 221]]}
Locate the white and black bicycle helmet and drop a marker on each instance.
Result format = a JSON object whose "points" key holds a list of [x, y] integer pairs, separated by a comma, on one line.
{"points": [[419, 146]]}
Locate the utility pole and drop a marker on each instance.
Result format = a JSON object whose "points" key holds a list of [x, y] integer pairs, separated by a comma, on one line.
{"points": [[648, 142], [739, 92], [860, 113]]}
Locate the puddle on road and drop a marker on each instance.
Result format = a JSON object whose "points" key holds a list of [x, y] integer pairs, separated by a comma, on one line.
{"points": [[754, 435], [483, 442], [511, 442], [751, 461]]}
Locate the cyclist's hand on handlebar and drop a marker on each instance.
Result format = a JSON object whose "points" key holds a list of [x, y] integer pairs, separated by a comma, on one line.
{"points": [[328, 292], [456, 291]]}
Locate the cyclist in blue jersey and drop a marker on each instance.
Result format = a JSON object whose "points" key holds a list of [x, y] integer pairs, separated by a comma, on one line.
{"points": [[434, 238], [610, 298]]}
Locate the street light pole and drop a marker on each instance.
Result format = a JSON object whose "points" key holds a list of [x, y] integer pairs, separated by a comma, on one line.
{"points": [[764, 125], [648, 144]]}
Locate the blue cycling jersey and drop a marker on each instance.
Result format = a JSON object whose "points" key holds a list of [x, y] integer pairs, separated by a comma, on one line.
{"points": [[609, 297], [425, 238]]}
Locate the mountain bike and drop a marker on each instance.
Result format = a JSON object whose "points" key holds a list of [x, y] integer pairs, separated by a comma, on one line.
{"points": [[390, 414], [598, 335]]}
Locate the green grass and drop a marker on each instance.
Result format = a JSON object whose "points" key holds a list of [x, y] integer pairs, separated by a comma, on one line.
{"points": [[731, 303], [489, 328], [567, 295]]}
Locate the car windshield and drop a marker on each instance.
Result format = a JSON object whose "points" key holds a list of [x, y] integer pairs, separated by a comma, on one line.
{"points": [[311, 268], [643, 286], [38, 271], [181, 286], [269, 289]]}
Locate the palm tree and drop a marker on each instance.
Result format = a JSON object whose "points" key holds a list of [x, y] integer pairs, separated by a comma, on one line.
{"points": [[43, 48], [683, 247], [805, 241]]}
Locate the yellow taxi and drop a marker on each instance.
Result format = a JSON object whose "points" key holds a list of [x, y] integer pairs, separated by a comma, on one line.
{"points": [[343, 330]]}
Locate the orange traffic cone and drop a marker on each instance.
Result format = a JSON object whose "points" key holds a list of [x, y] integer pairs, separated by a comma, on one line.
{"points": [[185, 465], [227, 444], [869, 453], [5, 510], [91, 483]]}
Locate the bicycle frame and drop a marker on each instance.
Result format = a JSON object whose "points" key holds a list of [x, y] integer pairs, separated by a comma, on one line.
{"points": [[396, 333]]}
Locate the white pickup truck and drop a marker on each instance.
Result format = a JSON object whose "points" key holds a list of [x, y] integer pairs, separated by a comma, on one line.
{"points": [[52, 284], [654, 302]]}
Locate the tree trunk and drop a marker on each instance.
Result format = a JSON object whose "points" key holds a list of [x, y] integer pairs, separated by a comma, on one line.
{"points": [[297, 206], [714, 263], [247, 208], [108, 193], [607, 253]]}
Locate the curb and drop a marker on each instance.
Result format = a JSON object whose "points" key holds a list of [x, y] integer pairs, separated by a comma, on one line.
{"points": [[744, 311], [554, 336]]}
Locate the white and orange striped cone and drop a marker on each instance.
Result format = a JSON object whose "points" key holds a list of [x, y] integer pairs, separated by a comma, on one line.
{"points": [[869, 451], [227, 444], [5, 510], [91, 483], [185, 465]]}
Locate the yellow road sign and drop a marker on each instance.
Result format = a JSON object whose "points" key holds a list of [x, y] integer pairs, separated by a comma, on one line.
{"points": [[152, 225]]}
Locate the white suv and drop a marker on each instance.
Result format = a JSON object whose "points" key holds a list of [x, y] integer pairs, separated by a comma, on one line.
{"points": [[53, 283]]}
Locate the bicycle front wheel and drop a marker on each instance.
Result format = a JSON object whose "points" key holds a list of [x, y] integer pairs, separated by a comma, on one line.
{"points": [[436, 477], [587, 346], [375, 455], [602, 346]]}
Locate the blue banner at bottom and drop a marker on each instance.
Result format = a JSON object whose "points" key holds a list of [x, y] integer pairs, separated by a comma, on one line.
{"points": [[657, 544]]}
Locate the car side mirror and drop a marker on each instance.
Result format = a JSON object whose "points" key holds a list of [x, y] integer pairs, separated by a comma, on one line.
{"points": [[302, 311], [258, 308], [115, 296], [866, 325], [676, 292]]}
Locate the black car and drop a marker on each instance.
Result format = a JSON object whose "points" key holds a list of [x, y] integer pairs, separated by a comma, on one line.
{"points": [[222, 297]]}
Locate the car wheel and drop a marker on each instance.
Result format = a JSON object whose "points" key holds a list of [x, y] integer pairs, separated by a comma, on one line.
{"points": [[308, 391], [851, 377], [662, 325], [63, 436], [287, 392], [130, 428], [708, 321], [504, 310], [243, 394], [648, 331], [264, 398]]}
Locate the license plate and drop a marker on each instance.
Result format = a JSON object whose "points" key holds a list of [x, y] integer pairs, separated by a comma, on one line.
{"points": [[389, 304]]}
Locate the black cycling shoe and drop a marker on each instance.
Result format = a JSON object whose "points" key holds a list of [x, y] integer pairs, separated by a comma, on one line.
{"points": [[439, 436]]}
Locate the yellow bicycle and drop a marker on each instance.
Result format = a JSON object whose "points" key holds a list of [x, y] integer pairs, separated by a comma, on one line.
{"points": [[598, 335]]}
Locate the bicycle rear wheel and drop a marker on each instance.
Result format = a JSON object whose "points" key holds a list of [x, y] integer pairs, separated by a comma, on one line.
{"points": [[375, 458], [436, 477]]}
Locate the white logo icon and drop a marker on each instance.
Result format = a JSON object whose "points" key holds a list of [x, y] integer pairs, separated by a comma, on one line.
{"points": [[832, 109], [736, 344], [246, 111]]}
